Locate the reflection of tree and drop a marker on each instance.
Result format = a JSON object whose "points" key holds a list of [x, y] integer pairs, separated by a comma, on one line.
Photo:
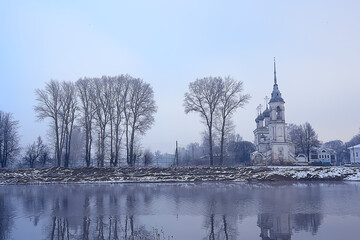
{"points": [[126, 211], [60, 229], [212, 235], [86, 228], [6, 220], [218, 228], [225, 228]]}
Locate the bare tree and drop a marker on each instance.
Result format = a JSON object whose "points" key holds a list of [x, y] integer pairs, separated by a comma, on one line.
{"points": [[231, 99], [304, 137], [85, 91], [34, 153], [9, 139], [204, 97], [339, 147], [117, 116], [58, 102], [148, 157], [68, 115], [127, 115], [142, 109], [49, 106], [102, 101], [354, 140]]}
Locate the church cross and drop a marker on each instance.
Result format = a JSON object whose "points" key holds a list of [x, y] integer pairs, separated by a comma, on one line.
{"points": [[266, 101], [259, 109]]}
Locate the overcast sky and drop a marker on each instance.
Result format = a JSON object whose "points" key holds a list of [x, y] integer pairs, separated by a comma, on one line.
{"points": [[171, 43]]}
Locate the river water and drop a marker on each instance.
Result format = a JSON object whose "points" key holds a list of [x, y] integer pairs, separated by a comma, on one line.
{"points": [[181, 211]]}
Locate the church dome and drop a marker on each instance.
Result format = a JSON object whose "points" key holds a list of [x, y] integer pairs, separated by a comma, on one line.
{"points": [[259, 118], [266, 113]]}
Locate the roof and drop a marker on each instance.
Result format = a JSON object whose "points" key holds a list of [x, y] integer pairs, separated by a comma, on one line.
{"points": [[356, 146], [276, 95], [259, 118], [266, 113]]}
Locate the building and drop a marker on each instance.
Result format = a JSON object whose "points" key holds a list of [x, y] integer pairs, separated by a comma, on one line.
{"points": [[322, 156], [272, 146], [355, 154]]}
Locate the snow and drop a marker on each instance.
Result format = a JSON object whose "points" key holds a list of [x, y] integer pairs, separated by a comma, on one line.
{"points": [[178, 174]]}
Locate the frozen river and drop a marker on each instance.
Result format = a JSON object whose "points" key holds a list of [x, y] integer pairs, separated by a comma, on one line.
{"points": [[181, 211]]}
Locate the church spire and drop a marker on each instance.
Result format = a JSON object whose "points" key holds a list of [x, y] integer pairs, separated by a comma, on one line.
{"points": [[275, 81], [276, 95]]}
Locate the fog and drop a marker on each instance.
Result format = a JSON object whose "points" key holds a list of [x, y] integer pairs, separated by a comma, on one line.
{"points": [[170, 44]]}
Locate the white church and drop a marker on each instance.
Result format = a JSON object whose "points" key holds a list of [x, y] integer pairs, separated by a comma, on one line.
{"points": [[272, 146]]}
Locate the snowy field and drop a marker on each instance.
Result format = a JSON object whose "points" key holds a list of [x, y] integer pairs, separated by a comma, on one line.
{"points": [[176, 174]]}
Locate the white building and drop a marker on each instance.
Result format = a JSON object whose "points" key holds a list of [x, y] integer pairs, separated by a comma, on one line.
{"points": [[272, 146], [355, 154], [323, 155]]}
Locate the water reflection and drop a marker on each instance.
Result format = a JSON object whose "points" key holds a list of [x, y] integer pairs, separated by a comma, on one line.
{"points": [[280, 226], [179, 211]]}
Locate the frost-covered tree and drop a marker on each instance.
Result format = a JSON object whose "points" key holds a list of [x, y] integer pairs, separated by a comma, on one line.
{"points": [[231, 99], [58, 102], [118, 85], [304, 137], [141, 109], [203, 97], [87, 109], [9, 139], [103, 103], [355, 140], [339, 147], [49, 106], [35, 154], [68, 115]]}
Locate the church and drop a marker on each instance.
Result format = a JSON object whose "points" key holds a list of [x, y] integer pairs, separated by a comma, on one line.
{"points": [[272, 146]]}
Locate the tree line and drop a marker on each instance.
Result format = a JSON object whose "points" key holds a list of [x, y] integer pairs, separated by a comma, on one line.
{"points": [[107, 109]]}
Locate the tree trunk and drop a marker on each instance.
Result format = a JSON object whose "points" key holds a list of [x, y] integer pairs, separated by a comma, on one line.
{"points": [[132, 162], [57, 147], [87, 140], [127, 145], [211, 147], [222, 143]]}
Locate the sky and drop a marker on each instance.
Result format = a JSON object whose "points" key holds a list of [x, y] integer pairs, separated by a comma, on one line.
{"points": [[172, 43]]}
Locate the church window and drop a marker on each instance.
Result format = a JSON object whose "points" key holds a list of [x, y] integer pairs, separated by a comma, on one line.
{"points": [[278, 112], [357, 154]]}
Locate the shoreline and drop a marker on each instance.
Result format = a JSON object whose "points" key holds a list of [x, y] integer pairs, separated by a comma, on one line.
{"points": [[58, 175]]}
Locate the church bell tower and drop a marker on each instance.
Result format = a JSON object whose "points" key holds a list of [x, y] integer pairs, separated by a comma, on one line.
{"points": [[277, 126]]}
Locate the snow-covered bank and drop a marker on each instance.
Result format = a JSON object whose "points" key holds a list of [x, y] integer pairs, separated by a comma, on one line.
{"points": [[178, 174]]}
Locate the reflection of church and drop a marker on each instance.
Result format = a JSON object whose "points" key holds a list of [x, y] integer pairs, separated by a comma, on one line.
{"points": [[275, 226], [272, 145], [281, 226]]}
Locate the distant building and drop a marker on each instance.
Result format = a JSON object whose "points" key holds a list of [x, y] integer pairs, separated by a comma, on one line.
{"points": [[355, 154], [322, 155], [272, 145]]}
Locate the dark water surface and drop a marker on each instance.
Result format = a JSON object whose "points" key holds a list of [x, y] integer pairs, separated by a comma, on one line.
{"points": [[181, 211]]}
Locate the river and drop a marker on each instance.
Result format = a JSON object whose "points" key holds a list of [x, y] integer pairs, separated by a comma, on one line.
{"points": [[308, 210]]}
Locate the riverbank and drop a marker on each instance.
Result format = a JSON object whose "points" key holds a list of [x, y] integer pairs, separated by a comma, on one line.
{"points": [[176, 174]]}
